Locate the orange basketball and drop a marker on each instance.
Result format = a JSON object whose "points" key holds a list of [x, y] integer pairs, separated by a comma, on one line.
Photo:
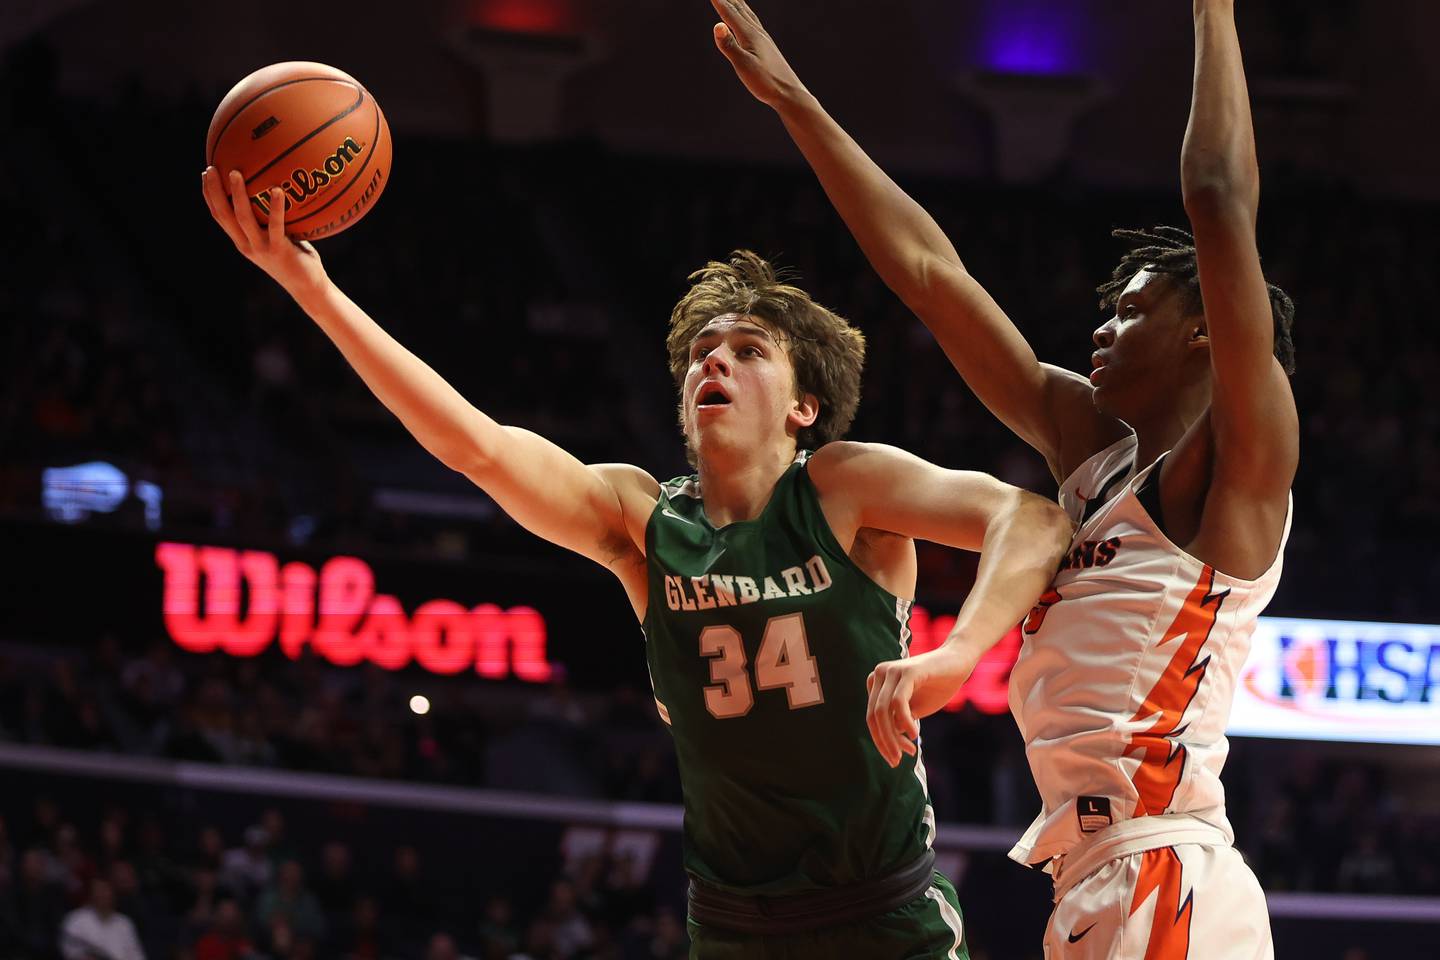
{"points": [[311, 130]]}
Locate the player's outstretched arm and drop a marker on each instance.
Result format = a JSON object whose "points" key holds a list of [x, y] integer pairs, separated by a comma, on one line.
{"points": [[1048, 407], [1020, 536], [596, 511], [1252, 412]]}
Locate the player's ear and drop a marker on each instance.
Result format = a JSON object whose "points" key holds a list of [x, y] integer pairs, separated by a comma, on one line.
{"points": [[804, 411], [1197, 334]]}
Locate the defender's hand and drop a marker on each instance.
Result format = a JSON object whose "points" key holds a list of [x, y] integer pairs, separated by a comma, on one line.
{"points": [[903, 691], [755, 57], [293, 264]]}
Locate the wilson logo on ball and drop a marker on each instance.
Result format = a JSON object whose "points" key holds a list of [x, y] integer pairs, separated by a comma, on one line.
{"points": [[302, 185]]}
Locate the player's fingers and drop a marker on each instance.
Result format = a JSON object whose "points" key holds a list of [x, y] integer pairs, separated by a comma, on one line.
{"points": [[905, 723], [725, 41], [873, 692], [743, 9], [885, 719], [875, 717], [276, 226], [728, 13], [244, 216], [219, 207]]}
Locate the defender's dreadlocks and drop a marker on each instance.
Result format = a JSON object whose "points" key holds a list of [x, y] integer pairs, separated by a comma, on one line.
{"points": [[1171, 251]]}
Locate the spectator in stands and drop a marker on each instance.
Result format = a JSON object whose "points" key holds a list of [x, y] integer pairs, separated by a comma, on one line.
{"points": [[226, 939], [1366, 867], [289, 897], [8, 866], [72, 865], [209, 850], [97, 931], [364, 936], [334, 886], [278, 844], [570, 930], [442, 946], [162, 880], [669, 941], [205, 900], [282, 942], [246, 870], [498, 938], [35, 908], [131, 902], [407, 898]]}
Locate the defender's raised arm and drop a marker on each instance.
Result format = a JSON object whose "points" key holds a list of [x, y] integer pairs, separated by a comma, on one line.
{"points": [[1252, 423], [1047, 407], [1252, 409], [596, 511]]}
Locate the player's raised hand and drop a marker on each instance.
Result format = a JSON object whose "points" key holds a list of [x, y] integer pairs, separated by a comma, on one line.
{"points": [[293, 264], [904, 691], [755, 57]]}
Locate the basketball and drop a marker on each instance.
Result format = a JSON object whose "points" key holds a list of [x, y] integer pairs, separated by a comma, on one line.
{"points": [[314, 132]]}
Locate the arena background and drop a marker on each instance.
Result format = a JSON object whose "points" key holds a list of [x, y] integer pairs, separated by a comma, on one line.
{"points": [[560, 166]]}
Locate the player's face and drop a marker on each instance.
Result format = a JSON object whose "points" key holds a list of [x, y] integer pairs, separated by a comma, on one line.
{"points": [[1141, 352], [740, 389]]}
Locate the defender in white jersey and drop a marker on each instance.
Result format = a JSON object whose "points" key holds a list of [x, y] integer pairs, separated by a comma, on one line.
{"points": [[1176, 456]]}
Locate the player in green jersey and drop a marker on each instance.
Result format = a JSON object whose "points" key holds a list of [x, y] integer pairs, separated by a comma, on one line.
{"points": [[770, 584]]}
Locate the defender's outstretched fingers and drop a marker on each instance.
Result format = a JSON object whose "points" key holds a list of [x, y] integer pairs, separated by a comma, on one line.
{"points": [[734, 22], [244, 216], [743, 9]]}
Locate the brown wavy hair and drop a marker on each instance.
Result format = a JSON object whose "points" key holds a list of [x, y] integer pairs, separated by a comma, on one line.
{"points": [[826, 352]]}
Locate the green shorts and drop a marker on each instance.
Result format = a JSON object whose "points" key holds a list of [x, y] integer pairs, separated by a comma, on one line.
{"points": [[927, 928]]}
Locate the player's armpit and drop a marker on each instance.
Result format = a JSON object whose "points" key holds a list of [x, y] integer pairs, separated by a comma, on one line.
{"points": [[885, 488]]}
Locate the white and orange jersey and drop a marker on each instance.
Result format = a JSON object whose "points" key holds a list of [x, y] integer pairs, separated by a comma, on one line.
{"points": [[1125, 678]]}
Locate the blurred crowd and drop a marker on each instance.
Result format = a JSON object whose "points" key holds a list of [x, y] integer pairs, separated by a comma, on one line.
{"points": [[1306, 820], [542, 289], [307, 715], [128, 887]]}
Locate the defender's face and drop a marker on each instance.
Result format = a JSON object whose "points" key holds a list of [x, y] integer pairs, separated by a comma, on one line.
{"points": [[740, 387], [1141, 350]]}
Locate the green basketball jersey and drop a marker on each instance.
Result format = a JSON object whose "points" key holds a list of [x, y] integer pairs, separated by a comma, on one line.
{"points": [[759, 637]]}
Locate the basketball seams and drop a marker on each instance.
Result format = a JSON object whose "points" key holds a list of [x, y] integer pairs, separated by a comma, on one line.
{"points": [[359, 102], [369, 155], [210, 158]]}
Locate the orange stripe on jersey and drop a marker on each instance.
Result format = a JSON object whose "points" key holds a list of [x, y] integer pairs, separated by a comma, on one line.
{"points": [[1169, 936], [1162, 761]]}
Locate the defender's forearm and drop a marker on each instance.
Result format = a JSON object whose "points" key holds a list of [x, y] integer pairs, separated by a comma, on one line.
{"points": [[1021, 552], [1219, 153], [437, 415], [897, 235]]}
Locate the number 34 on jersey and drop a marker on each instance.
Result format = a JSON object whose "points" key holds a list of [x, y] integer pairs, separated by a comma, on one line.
{"points": [[783, 662]]}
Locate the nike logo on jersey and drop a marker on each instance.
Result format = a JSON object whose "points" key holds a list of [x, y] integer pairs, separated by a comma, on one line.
{"points": [[670, 513], [1077, 937]]}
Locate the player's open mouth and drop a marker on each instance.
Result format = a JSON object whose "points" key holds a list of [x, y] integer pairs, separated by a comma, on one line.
{"points": [[712, 395]]}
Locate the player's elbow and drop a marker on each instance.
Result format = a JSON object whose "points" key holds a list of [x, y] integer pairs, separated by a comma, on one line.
{"points": [[465, 455], [1047, 527], [930, 282], [1216, 196]]}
